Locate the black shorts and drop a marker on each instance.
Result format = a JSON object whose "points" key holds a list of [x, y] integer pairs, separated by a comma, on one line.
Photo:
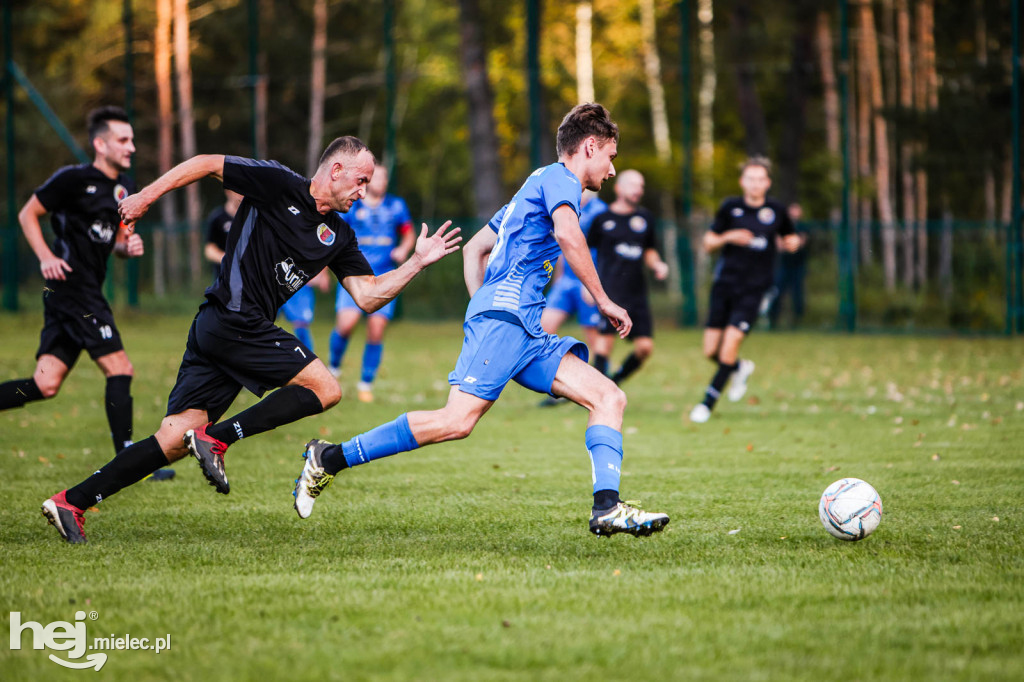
{"points": [[639, 311], [225, 352], [71, 326], [733, 307]]}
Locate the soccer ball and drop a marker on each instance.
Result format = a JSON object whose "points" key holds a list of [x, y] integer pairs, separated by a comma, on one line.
{"points": [[850, 509]]}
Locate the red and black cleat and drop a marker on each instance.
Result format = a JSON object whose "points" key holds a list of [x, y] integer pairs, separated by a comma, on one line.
{"points": [[68, 519], [209, 452]]}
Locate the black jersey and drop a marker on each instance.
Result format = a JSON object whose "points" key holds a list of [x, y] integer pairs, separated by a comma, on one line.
{"points": [[218, 224], [82, 203], [278, 241], [621, 240], [750, 266]]}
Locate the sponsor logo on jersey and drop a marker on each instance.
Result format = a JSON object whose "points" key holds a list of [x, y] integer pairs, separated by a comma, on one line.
{"points": [[91, 189], [325, 234], [737, 212], [120, 193], [101, 232], [608, 225], [766, 215], [290, 276], [629, 251], [637, 223], [293, 210], [758, 243]]}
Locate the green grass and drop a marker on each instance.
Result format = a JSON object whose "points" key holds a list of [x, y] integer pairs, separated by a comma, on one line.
{"points": [[471, 560]]}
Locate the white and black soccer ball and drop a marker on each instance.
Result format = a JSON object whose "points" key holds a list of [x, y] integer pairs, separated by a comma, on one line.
{"points": [[850, 509]]}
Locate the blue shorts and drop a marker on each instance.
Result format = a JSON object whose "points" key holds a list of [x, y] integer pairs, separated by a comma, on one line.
{"points": [[566, 295], [299, 308], [496, 351], [344, 301]]}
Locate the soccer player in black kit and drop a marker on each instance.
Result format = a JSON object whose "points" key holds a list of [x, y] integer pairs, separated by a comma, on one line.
{"points": [[625, 242], [745, 229], [286, 230], [82, 203], [218, 225]]}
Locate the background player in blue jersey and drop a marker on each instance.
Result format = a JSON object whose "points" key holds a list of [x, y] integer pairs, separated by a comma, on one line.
{"points": [[384, 228], [745, 230], [506, 266], [287, 229]]}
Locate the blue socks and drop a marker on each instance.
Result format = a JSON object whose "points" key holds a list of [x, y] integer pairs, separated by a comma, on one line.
{"points": [[605, 447], [371, 361], [338, 346], [383, 441], [303, 335]]}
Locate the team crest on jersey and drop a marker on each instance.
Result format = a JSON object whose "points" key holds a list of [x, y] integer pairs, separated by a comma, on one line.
{"points": [[325, 234], [120, 193], [737, 212], [608, 225], [290, 276], [766, 216], [637, 223]]}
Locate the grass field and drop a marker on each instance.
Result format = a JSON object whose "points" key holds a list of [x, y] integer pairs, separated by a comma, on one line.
{"points": [[472, 560]]}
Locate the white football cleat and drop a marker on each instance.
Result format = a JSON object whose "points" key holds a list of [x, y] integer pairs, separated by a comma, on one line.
{"points": [[700, 413], [738, 383]]}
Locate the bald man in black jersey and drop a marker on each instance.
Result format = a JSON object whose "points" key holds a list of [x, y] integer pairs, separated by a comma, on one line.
{"points": [[745, 231]]}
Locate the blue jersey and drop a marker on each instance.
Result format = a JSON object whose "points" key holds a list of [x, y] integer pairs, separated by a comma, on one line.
{"points": [[592, 209], [524, 255], [378, 229]]}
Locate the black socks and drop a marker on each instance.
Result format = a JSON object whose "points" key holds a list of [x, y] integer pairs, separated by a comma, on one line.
{"points": [[601, 363], [119, 410], [718, 383], [605, 499], [333, 459], [18, 392], [281, 407], [629, 365], [131, 465]]}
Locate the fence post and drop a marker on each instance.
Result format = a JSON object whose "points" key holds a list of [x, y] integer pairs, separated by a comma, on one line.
{"points": [[10, 233]]}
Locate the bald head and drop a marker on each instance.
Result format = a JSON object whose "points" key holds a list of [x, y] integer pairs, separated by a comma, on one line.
{"points": [[629, 187]]}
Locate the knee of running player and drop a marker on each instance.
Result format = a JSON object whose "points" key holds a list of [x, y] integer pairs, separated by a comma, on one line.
{"points": [[328, 392], [172, 430], [48, 386], [609, 401], [643, 347]]}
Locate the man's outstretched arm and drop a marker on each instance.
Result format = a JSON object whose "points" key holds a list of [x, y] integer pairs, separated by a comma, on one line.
{"points": [[185, 173], [372, 293]]}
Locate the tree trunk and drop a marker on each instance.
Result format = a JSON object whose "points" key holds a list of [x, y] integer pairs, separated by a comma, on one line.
{"points": [[795, 118], [863, 145], [165, 247], [193, 207], [906, 103], [584, 51], [705, 124], [826, 64], [926, 94], [662, 144], [981, 57], [869, 58], [317, 83], [483, 139], [748, 102]]}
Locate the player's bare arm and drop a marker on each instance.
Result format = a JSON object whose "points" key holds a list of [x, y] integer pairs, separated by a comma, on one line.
{"points": [[372, 293], [652, 259], [474, 258], [213, 253], [792, 243], [185, 173], [714, 241], [128, 243], [400, 253], [577, 254], [50, 265]]}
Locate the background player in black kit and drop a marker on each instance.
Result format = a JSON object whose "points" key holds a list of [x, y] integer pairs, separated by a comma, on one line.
{"points": [[745, 229], [218, 225], [625, 242], [82, 202], [285, 231]]}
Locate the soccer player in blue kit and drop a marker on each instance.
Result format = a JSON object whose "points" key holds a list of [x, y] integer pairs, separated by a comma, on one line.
{"points": [[383, 227], [506, 266]]}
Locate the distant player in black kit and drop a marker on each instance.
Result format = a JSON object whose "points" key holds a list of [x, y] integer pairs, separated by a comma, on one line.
{"points": [[745, 229], [218, 225], [625, 242], [285, 231], [82, 203]]}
